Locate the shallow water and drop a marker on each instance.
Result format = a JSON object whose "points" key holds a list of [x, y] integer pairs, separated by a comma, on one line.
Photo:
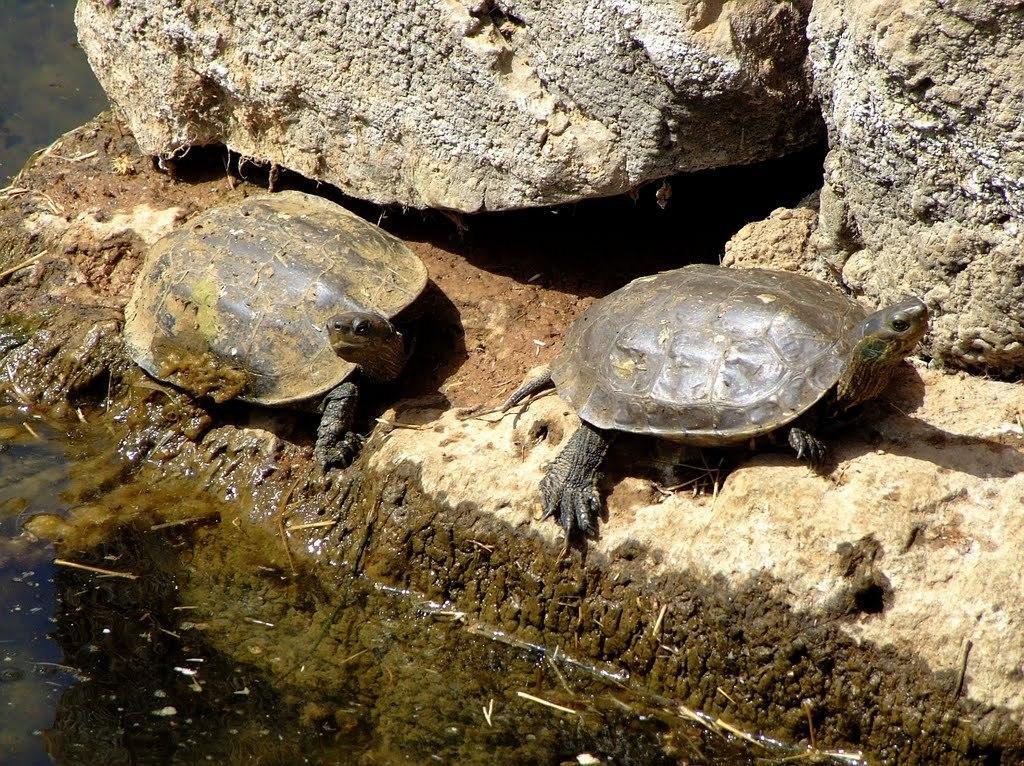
{"points": [[190, 641], [46, 86], [32, 474]]}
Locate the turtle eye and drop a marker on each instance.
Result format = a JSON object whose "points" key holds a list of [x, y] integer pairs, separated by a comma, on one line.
{"points": [[900, 325], [336, 325], [360, 327]]}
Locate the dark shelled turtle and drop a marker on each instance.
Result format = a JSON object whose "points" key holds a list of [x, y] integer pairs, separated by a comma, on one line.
{"points": [[712, 356], [276, 300]]}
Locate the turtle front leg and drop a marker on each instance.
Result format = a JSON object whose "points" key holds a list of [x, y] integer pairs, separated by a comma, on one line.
{"points": [[336, 443], [808, 447], [569, 487]]}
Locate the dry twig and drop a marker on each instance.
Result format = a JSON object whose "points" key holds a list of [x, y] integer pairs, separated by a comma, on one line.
{"points": [[95, 570]]}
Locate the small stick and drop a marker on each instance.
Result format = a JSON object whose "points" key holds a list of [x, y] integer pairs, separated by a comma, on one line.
{"points": [[409, 426], [551, 705], [965, 651], [254, 621], [66, 668], [449, 613], [737, 733], [810, 723], [656, 630], [280, 522], [19, 266], [182, 522], [489, 711], [353, 656], [79, 158], [558, 673], [722, 692], [32, 431], [620, 703], [685, 712], [54, 207], [96, 570], [311, 525]]}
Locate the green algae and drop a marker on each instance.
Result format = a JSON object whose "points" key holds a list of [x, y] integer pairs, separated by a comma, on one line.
{"points": [[15, 331], [186, 635]]}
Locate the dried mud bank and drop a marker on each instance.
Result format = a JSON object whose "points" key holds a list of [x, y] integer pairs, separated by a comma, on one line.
{"points": [[887, 592]]}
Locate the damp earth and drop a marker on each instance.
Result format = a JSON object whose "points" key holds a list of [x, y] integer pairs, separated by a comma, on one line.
{"points": [[144, 623]]}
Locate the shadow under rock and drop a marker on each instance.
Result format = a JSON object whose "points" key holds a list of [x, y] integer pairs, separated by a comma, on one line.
{"points": [[586, 249], [593, 247]]}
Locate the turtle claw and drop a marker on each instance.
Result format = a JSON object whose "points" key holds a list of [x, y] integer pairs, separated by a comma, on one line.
{"points": [[575, 507], [341, 453], [808, 447], [569, 487]]}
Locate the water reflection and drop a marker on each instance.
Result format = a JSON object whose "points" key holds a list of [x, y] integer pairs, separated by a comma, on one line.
{"points": [[32, 476], [46, 86], [181, 635]]}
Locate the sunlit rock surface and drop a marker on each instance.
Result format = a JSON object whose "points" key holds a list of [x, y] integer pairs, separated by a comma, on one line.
{"points": [[924, 184], [462, 105]]}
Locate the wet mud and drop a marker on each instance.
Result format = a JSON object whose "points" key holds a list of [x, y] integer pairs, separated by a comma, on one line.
{"points": [[737, 653], [185, 635]]}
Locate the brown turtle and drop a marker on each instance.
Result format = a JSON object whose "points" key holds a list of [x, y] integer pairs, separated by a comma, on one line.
{"points": [[276, 300], [712, 356]]}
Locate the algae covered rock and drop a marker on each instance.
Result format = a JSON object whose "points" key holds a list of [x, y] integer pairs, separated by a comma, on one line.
{"points": [[924, 184], [467, 105]]}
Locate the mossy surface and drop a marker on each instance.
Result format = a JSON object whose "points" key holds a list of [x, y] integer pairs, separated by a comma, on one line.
{"points": [[736, 652]]}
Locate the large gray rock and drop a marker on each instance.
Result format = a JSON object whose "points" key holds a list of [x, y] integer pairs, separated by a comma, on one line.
{"points": [[924, 187], [462, 104]]}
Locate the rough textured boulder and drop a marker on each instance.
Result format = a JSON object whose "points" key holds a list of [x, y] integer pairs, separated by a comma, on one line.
{"points": [[781, 241], [466, 105], [924, 186]]}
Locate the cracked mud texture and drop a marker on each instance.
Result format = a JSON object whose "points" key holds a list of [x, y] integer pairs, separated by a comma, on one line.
{"points": [[466, 105], [852, 590]]}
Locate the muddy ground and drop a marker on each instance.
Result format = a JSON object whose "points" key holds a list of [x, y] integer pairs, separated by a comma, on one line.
{"points": [[504, 286]]}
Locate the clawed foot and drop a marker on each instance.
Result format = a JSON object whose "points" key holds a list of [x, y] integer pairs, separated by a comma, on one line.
{"points": [[569, 487], [808, 447], [575, 507], [339, 453]]}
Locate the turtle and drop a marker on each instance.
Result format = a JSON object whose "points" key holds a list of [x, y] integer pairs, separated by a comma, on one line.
{"points": [[280, 300], [712, 356]]}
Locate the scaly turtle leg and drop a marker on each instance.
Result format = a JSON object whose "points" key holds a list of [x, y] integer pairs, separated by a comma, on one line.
{"points": [[807, 446], [569, 487], [336, 443]]}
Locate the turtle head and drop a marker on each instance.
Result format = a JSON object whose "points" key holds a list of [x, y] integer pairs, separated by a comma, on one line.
{"points": [[893, 332], [886, 337], [368, 339]]}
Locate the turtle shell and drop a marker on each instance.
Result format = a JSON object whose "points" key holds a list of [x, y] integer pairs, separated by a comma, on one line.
{"points": [[235, 303], [707, 355]]}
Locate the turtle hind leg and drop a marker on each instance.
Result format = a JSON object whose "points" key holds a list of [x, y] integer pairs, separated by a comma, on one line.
{"points": [[336, 443], [569, 487], [808, 447], [537, 379]]}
